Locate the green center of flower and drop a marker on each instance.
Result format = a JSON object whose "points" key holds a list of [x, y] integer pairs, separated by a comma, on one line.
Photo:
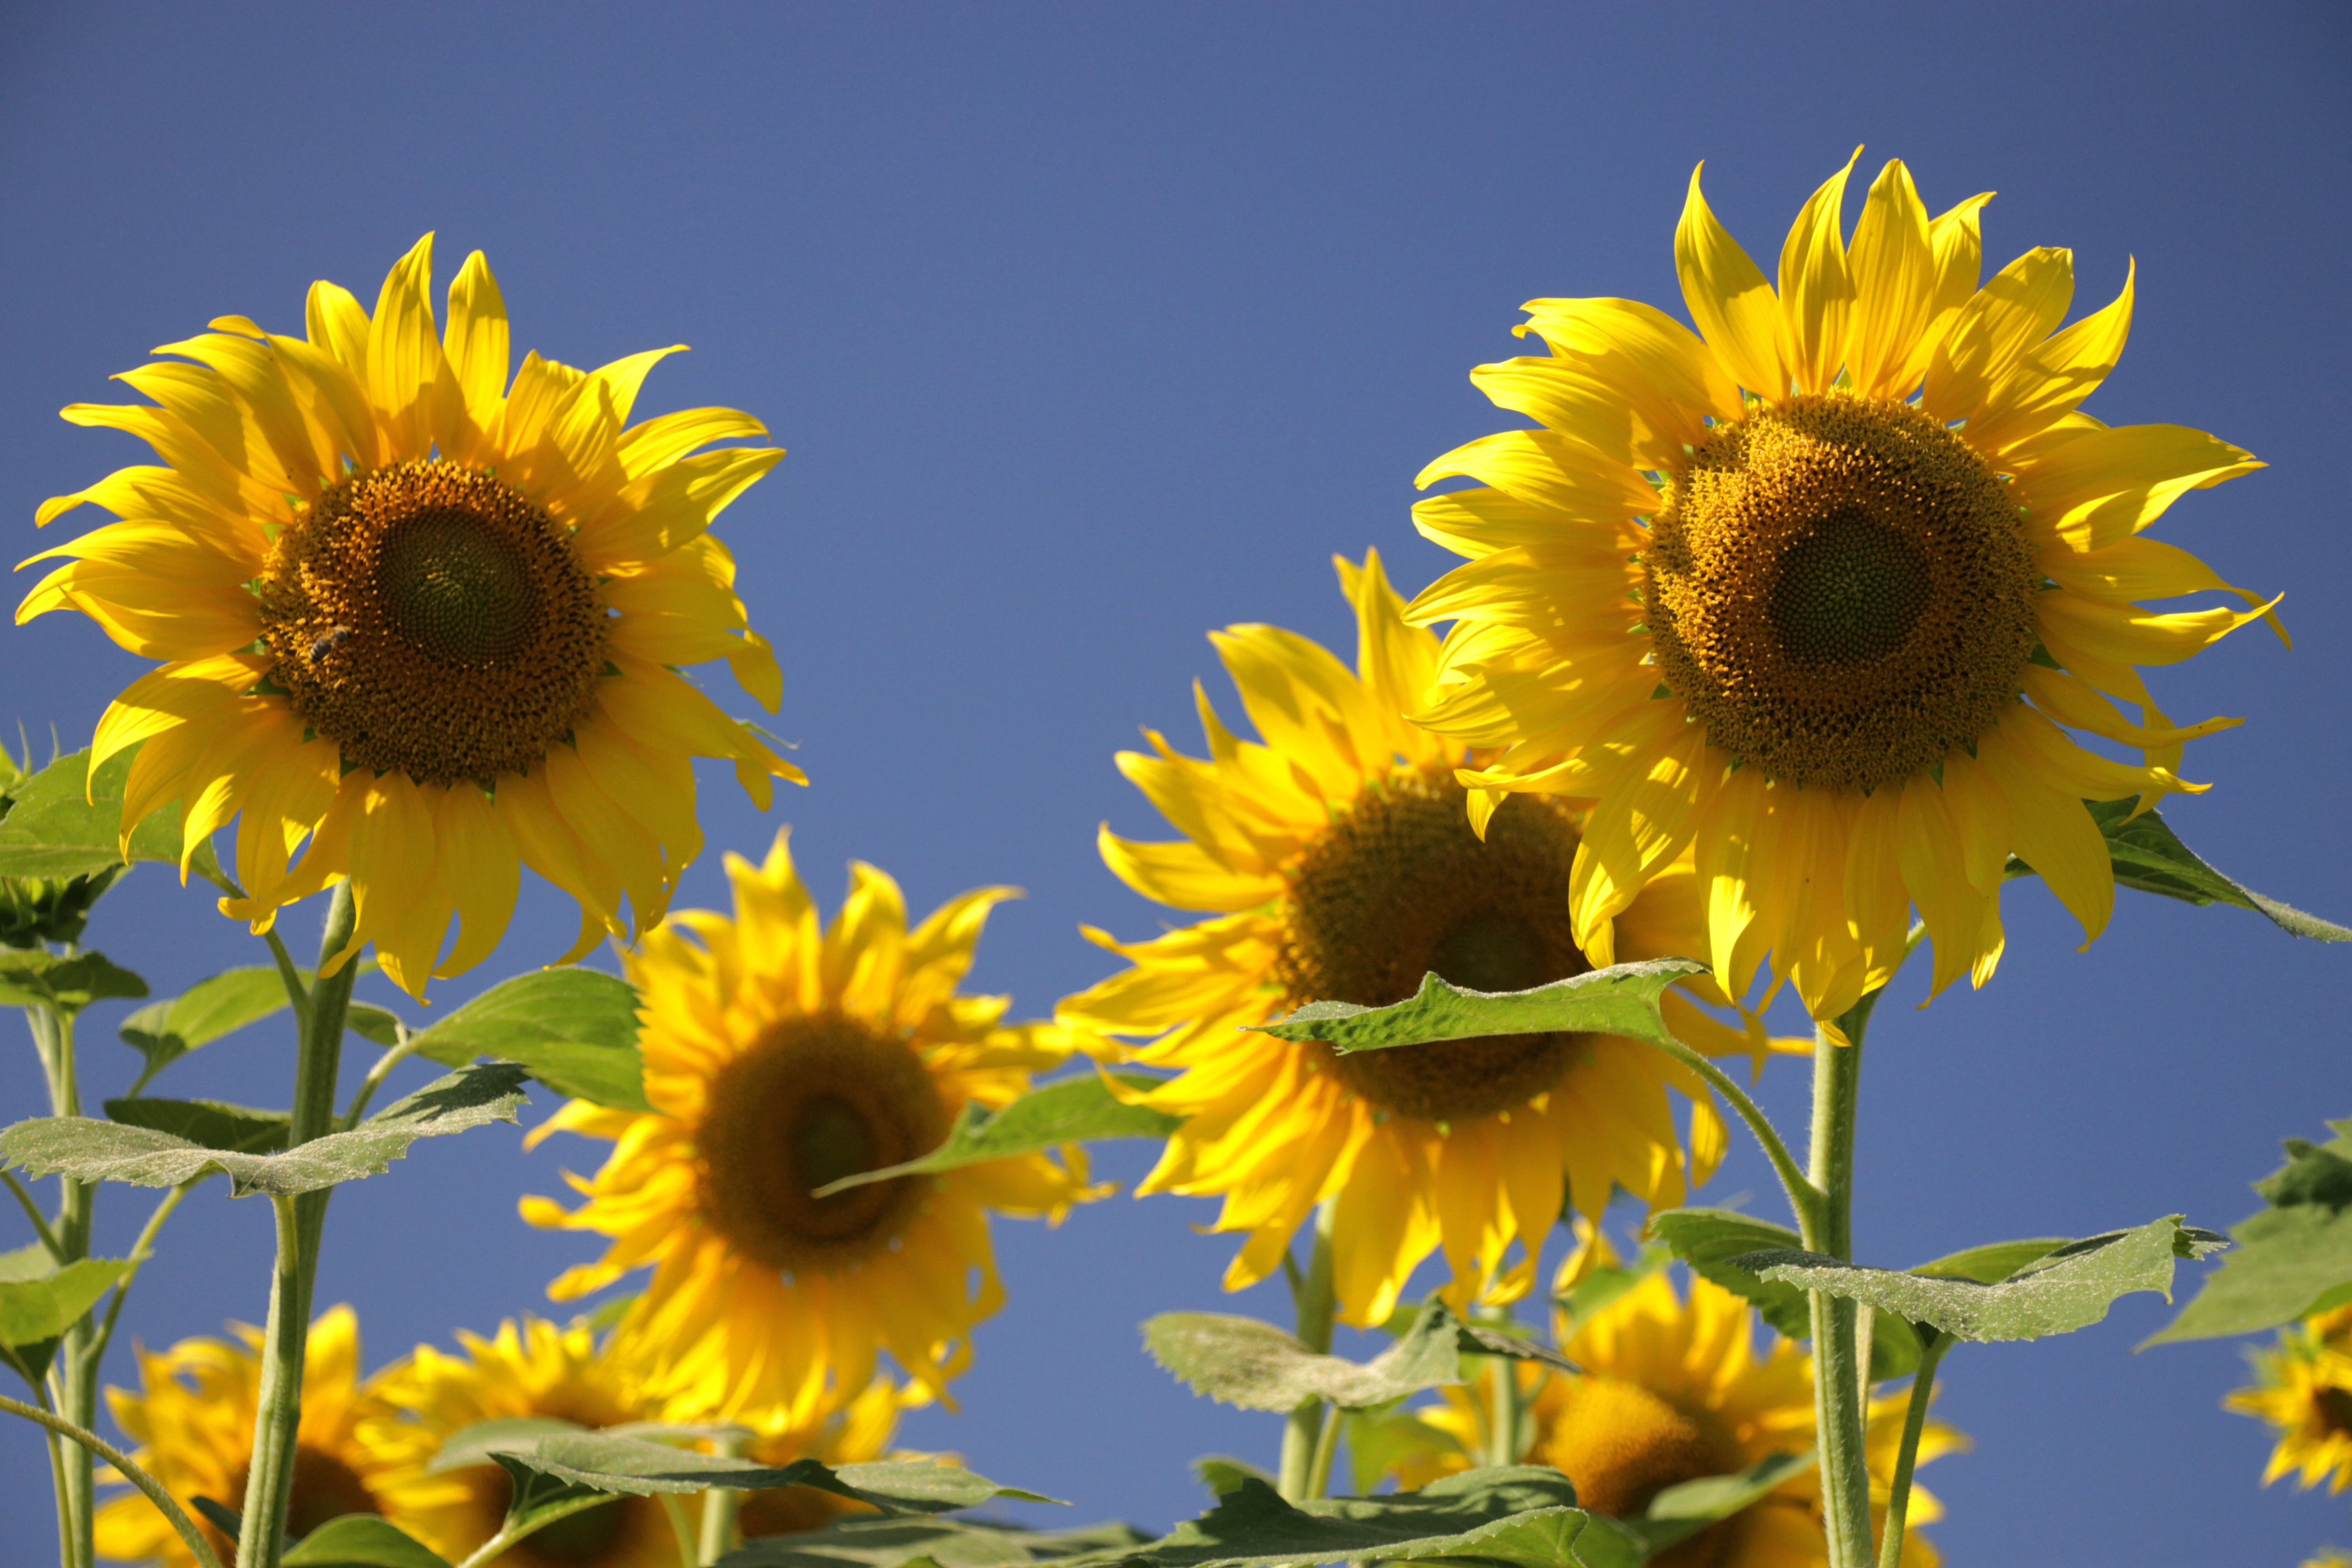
{"points": [[1840, 590], [431, 620], [1398, 888], [819, 1097]]}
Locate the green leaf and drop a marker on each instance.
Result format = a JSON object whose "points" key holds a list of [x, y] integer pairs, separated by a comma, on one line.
{"points": [[31, 975], [1992, 1263], [949, 1543], [1258, 1366], [2069, 1288], [163, 1032], [1378, 1441], [1607, 1282], [2150, 856], [378, 1025], [66, 823], [1520, 1515], [39, 1301], [474, 1444], [1709, 1238], [360, 1541], [214, 1123], [91, 1151], [1621, 1000], [610, 1463], [574, 1030], [2293, 1258], [1222, 1473], [1681, 1511], [1068, 1110]]}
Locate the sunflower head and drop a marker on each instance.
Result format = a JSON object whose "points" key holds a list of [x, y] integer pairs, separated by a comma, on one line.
{"points": [[1338, 858], [423, 610], [192, 1419], [782, 1055], [1673, 1390], [1808, 592], [2302, 1386]]}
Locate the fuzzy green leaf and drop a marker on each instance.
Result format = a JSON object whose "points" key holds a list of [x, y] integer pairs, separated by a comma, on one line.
{"points": [[1076, 1109], [574, 1030], [163, 1032], [2150, 856], [1709, 1238], [360, 1541], [611, 1463], [1992, 1263], [1520, 1515], [1681, 1511], [2292, 1259], [39, 1301], [92, 1151], [1222, 1473], [377, 1026], [1378, 1441], [66, 823], [214, 1123], [32, 975], [1621, 1000], [1258, 1366], [2070, 1287]]}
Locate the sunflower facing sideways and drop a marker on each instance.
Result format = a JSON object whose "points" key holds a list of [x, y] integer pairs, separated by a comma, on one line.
{"points": [[427, 618], [1673, 1390], [192, 1419], [782, 1055], [1813, 589], [540, 1369], [1336, 862], [2303, 1387]]}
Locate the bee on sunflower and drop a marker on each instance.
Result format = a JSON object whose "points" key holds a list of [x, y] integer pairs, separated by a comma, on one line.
{"points": [[1335, 860], [782, 1055], [192, 1418], [422, 612], [2302, 1386], [1815, 593], [1672, 1390]]}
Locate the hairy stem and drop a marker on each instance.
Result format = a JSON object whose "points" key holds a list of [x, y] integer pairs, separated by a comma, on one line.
{"points": [[1312, 1298], [32, 1208], [721, 1510], [1804, 1196], [73, 1375], [278, 1414], [138, 1253], [1837, 1386], [92, 1443], [1932, 1346], [495, 1547]]}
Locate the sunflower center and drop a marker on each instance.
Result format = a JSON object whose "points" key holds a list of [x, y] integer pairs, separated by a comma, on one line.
{"points": [[1840, 590], [610, 1533], [2335, 1409], [1621, 1446], [1399, 887], [822, 1095], [430, 620]]}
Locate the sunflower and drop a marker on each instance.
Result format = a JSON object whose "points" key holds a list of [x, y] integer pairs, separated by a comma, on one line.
{"points": [[1336, 863], [1814, 590], [426, 618], [192, 1419], [2303, 1387], [543, 1369], [1671, 1391], [781, 1057]]}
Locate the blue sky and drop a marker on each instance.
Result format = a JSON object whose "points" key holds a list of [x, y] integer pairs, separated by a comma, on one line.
{"points": [[1091, 328]]}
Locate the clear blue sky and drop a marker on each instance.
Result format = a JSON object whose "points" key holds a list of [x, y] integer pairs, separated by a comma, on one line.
{"points": [[1090, 327]]}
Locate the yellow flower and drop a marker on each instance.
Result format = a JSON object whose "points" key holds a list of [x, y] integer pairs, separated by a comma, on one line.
{"points": [[1337, 863], [424, 617], [2303, 1387], [1814, 589], [192, 1421], [1671, 1391], [781, 1057], [542, 1369]]}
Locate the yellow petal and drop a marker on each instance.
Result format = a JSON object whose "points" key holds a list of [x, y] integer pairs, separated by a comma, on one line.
{"points": [[1817, 290], [1729, 298], [1894, 265]]}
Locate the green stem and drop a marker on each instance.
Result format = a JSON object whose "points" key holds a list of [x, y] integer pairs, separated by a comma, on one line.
{"points": [[376, 1075], [1314, 1303], [681, 1527], [277, 1413], [1932, 1346], [1837, 1386], [1501, 1439], [490, 1550], [1326, 1448], [92, 1443], [56, 1248], [139, 1252], [721, 1509], [73, 1377], [1804, 1197]]}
